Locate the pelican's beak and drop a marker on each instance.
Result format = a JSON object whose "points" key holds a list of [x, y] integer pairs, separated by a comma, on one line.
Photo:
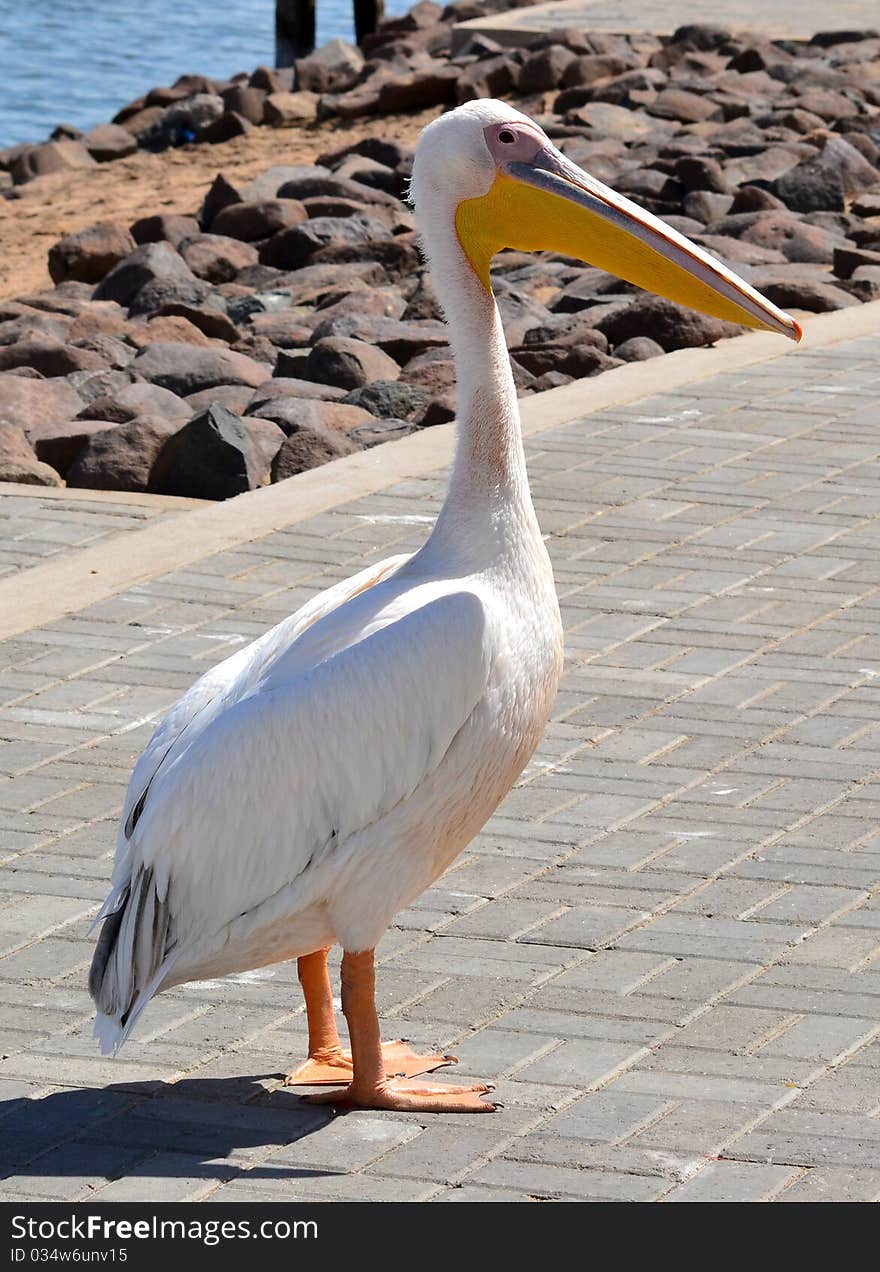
{"points": [[540, 201]]}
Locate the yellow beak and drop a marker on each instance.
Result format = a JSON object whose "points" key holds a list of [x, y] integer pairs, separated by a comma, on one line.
{"points": [[549, 204]]}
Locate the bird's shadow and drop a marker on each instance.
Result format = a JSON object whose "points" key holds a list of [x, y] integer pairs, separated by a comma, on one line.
{"points": [[211, 1127]]}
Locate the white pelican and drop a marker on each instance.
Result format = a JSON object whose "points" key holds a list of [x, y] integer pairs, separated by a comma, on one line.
{"points": [[312, 785]]}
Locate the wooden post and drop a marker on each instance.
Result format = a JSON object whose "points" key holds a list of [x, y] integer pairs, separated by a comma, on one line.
{"points": [[367, 16], [294, 30]]}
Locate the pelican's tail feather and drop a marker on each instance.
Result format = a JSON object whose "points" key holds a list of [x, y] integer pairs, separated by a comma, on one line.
{"points": [[129, 962]]}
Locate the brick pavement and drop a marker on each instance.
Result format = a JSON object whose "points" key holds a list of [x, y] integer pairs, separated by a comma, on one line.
{"points": [[36, 525], [793, 19], [664, 947]]}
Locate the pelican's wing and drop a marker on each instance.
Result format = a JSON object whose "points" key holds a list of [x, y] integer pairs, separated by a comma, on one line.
{"points": [[278, 782], [225, 683]]}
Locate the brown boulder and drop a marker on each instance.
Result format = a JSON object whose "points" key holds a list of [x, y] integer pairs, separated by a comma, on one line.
{"points": [[150, 263], [109, 141], [216, 258], [49, 356], [291, 413], [186, 369], [250, 221], [29, 402], [89, 254], [168, 226], [309, 448], [671, 326], [282, 109], [52, 156], [59, 444], [121, 458], [19, 463], [348, 363]]}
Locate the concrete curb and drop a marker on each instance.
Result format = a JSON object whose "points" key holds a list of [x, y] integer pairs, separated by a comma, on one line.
{"points": [[64, 585]]}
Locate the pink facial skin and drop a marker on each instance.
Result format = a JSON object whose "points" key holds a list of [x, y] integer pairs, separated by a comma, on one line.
{"points": [[514, 143]]}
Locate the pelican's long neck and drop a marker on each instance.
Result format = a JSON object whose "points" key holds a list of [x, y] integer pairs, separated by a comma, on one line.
{"points": [[488, 489]]}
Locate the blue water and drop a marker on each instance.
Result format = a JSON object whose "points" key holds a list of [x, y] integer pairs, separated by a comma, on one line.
{"points": [[78, 61]]}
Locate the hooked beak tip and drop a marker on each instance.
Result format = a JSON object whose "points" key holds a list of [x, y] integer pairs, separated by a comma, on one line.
{"points": [[797, 334]]}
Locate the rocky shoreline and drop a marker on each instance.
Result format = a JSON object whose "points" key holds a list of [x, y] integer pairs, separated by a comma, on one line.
{"points": [[289, 321]]}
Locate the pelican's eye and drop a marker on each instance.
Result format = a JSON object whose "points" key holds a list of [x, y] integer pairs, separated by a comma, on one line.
{"points": [[507, 137]]}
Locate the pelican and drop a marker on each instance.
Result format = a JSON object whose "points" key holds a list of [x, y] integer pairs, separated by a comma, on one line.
{"points": [[312, 785]]}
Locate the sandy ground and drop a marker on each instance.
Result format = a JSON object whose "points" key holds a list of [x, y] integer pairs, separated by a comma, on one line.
{"points": [[174, 181]]}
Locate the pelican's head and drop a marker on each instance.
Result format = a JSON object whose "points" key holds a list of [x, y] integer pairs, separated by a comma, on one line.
{"points": [[494, 175]]}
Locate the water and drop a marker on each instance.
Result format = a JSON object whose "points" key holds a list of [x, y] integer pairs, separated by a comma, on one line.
{"points": [[78, 61]]}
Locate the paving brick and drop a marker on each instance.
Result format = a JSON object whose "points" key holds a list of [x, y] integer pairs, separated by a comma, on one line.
{"points": [[661, 937], [733, 1181]]}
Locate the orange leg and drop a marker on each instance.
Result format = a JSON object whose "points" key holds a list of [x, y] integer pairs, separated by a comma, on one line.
{"points": [[327, 1062], [371, 1087]]}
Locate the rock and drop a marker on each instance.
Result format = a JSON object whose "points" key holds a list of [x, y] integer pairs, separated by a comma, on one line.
{"points": [[401, 340], [847, 260], [826, 104], [796, 240], [706, 207], [109, 141], [440, 410], [293, 248], [152, 262], [348, 363], [90, 385], [89, 254], [121, 458], [430, 85], [854, 172], [379, 431], [214, 323], [810, 187], [280, 110], [113, 352], [53, 156], [168, 329], [168, 227], [49, 356], [317, 183], [817, 298], [286, 330], [695, 172], [31, 402], [160, 295], [265, 440], [235, 397], [133, 400], [678, 104], [750, 198], [545, 69], [867, 205], [184, 369], [638, 349], [390, 399], [54, 326], [191, 117], [211, 457], [670, 325], [19, 463], [338, 55], [229, 125], [245, 100], [281, 386], [59, 444], [291, 413], [398, 257], [309, 448], [250, 221], [145, 126], [216, 258]]}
